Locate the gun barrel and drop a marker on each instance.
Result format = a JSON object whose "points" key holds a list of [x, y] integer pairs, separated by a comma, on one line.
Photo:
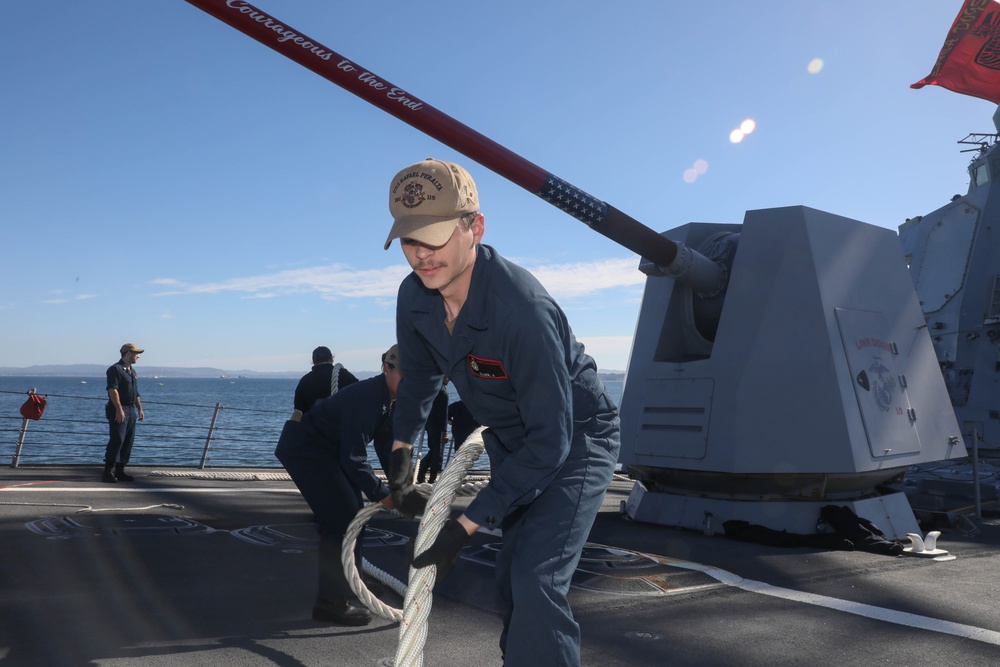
{"points": [[596, 214]]}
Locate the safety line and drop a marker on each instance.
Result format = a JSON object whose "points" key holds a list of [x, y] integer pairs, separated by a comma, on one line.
{"points": [[856, 608], [133, 489]]}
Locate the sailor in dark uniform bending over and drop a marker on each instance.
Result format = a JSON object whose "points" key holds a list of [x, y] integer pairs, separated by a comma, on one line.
{"points": [[489, 326], [326, 456]]}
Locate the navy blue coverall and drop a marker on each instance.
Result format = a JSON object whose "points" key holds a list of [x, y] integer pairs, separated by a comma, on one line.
{"points": [[553, 437], [121, 437], [326, 453], [316, 384]]}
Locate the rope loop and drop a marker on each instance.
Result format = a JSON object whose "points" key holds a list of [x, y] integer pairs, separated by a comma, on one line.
{"points": [[416, 596]]}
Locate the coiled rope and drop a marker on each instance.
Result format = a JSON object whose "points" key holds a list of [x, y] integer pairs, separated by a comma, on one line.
{"points": [[417, 596]]}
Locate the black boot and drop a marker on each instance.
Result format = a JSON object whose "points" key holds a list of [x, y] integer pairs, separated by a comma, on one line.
{"points": [[108, 475], [341, 612], [121, 474], [334, 600]]}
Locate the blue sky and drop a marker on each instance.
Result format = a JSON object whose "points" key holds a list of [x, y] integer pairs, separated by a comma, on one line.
{"points": [[169, 181]]}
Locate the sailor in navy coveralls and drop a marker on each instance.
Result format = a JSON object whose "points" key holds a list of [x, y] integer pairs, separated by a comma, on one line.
{"points": [[553, 437], [326, 456], [123, 408]]}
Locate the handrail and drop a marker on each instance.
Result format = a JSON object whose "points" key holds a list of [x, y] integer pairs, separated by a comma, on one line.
{"points": [[177, 436], [183, 435]]}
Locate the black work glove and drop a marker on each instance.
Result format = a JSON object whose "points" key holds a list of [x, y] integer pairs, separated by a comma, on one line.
{"points": [[405, 496], [445, 550]]}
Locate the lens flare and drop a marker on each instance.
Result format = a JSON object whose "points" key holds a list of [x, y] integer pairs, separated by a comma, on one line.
{"points": [[745, 128], [692, 173], [815, 66]]}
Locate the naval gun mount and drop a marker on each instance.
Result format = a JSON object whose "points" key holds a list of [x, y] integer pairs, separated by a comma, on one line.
{"points": [[809, 380]]}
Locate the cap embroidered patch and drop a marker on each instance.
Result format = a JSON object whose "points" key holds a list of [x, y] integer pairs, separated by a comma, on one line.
{"points": [[413, 195], [486, 368]]}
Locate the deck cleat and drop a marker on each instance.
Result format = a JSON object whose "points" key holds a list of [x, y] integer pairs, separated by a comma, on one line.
{"points": [[926, 547]]}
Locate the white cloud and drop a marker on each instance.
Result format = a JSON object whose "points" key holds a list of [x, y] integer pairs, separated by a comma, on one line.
{"points": [[61, 299], [339, 281], [331, 282], [582, 278]]}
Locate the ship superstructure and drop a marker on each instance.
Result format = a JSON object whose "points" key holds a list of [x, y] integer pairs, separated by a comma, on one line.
{"points": [[954, 258]]}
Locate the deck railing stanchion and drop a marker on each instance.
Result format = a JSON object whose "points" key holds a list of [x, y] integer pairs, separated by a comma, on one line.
{"points": [[208, 439], [20, 442], [20, 436]]}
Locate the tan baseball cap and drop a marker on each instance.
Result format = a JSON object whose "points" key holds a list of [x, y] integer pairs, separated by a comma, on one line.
{"points": [[391, 356], [131, 347], [427, 200]]}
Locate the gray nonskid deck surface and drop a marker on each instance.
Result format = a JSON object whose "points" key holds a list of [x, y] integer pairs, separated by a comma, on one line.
{"points": [[196, 570]]}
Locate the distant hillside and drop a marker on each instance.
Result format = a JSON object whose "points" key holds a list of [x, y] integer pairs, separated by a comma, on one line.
{"points": [[97, 370]]}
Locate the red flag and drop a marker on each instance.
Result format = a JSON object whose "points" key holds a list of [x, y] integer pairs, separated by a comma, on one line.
{"points": [[969, 62]]}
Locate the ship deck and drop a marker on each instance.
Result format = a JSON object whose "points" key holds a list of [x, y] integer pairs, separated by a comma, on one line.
{"points": [[188, 567]]}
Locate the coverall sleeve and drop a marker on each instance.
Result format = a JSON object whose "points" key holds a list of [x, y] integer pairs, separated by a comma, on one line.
{"points": [[356, 431], [112, 374], [422, 377]]}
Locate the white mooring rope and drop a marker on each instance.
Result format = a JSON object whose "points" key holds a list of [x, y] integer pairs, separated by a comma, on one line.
{"points": [[417, 596]]}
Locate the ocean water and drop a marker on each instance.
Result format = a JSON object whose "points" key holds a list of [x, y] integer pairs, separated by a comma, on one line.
{"points": [[197, 422]]}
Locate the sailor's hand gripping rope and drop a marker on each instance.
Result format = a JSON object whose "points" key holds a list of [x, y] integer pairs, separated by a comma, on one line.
{"points": [[417, 595]]}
